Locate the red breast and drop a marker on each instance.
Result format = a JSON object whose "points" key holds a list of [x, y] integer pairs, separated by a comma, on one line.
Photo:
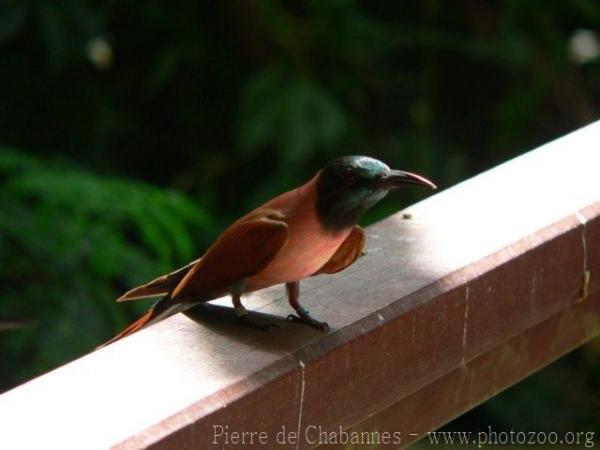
{"points": [[309, 245]]}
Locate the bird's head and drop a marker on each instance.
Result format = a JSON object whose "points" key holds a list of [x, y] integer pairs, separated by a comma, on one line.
{"points": [[348, 186]]}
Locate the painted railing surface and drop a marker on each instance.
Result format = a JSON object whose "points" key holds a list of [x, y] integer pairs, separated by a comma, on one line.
{"points": [[458, 297]]}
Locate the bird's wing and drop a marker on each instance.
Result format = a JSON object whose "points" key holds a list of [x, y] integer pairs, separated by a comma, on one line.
{"points": [[346, 254], [243, 250], [159, 286]]}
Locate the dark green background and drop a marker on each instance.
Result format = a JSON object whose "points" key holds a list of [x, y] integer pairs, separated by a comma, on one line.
{"points": [[116, 169]]}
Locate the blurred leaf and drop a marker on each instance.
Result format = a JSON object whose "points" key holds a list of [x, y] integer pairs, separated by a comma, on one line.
{"points": [[12, 18], [70, 242], [53, 28], [289, 113]]}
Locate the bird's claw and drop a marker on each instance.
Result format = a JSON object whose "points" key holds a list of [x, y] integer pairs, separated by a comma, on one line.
{"points": [[306, 319], [247, 321]]}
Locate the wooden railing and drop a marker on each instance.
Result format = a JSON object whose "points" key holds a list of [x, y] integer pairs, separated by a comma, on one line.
{"points": [[459, 296]]}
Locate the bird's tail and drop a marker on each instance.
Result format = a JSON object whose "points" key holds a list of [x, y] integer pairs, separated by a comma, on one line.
{"points": [[162, 309], [160, 286]]}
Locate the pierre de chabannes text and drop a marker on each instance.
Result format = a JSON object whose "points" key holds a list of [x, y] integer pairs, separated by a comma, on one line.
{"points": [[311, 434]]}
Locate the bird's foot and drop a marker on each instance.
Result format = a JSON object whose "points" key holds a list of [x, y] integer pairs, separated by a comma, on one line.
{"points": [[305, 318], [247, 321]]}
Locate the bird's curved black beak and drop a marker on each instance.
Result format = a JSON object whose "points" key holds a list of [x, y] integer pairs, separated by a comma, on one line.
{"points": [[396, 179]]}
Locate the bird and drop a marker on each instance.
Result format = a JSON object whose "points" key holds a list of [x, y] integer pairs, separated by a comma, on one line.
{"points": [[310, 230]]}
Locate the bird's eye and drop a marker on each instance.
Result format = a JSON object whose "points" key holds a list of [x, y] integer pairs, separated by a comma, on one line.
{"points": [[348, 173]]}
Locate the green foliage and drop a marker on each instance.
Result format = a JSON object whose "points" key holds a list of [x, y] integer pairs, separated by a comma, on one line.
{"points": [[70, 242], [293, 114]]}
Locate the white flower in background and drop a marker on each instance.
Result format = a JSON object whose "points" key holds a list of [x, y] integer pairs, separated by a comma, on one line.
{"points": [[99, 52], [583, 46]]}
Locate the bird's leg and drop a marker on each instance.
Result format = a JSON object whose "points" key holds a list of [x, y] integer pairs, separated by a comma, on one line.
{"points": [[236, 297], [293, 293], [236, 291]]}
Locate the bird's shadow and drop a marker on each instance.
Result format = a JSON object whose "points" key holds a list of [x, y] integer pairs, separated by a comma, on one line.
{"points": [[284, 336]]}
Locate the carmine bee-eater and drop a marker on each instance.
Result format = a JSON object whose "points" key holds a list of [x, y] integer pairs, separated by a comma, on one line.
{"points": [[307, 231]]}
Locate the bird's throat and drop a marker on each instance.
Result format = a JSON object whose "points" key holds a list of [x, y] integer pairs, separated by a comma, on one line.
{"points": [[340, 210]]}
